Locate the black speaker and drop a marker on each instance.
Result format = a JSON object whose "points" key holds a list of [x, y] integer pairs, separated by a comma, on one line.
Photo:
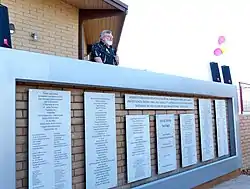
{"points": [[226, 74], [215, 72], [5, 38]]}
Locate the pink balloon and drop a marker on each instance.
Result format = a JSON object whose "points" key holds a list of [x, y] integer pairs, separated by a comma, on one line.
{"points": [[218, 52], [221, 40]]}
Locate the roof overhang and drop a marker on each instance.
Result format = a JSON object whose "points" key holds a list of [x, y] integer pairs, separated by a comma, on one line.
{"points": [[117, 4], [99, 15], [98, 4]]}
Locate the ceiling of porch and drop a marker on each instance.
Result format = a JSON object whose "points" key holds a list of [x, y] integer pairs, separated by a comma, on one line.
{"points": [[97, 15], [92, 28]]}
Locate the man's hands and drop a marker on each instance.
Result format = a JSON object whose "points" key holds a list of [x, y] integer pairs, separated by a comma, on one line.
{"points": [[117, 60], [98, 59]]}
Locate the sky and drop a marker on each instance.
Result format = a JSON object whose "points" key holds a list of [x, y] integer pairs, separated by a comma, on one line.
{"points": [[179, 37]]}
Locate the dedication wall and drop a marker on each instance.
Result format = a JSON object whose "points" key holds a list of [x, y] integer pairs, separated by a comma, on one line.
{"points": [[158, 125]]}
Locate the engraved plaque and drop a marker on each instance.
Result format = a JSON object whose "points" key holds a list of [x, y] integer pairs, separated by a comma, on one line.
{"points": [[49, 139], [206, 129], [166, 145], [188, 140], [100, 140], [157, 102], [138, 147], [221, 126]]}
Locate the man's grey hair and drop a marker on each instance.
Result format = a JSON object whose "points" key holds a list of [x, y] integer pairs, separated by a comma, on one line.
{"points": [[105, 32]]}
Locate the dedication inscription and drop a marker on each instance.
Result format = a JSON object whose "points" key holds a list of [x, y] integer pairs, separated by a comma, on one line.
{"points": [[157, 102], [221, 126], [138, 147], [100, 140], [206, 129], [49, 139], [188, 140], [166, 145]]}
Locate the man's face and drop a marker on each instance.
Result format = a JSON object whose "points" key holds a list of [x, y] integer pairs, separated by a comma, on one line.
{"points": [[108, 39]]}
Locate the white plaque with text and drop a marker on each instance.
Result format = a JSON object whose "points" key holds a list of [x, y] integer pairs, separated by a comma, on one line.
{"points": [[166, 144], [188, 140], [221, 126], [157, 102], [138, 147], [49, 139], [100, 140], [206, 129]]}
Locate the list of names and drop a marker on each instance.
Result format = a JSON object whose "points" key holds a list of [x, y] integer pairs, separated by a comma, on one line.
{"points": [[206, 129], [138, 147], [221, 126], [100, 140], [188, 140], [49, 139], [166, 145]]}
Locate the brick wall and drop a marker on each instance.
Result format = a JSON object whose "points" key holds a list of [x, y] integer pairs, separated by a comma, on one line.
{"points": [[245, 140], [77, 123], [55, 22]]}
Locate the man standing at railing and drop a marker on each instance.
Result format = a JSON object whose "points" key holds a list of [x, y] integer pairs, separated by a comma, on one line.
{"points": [[103, 52]]}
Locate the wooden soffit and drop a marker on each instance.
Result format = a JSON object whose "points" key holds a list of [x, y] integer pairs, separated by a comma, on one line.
{"points": [[93, 27], [98, 4], [90, 4]]}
